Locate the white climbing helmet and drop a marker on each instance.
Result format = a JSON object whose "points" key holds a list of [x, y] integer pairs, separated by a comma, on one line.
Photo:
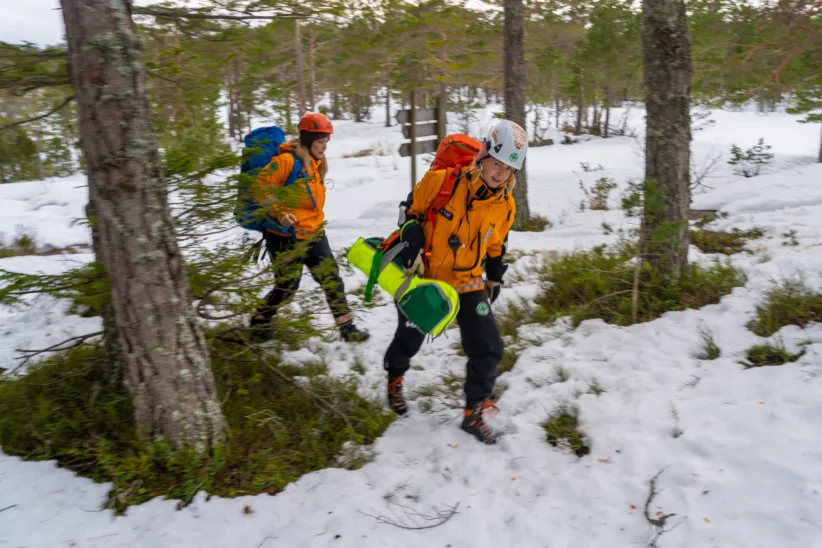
{"points": [[508, 143]]}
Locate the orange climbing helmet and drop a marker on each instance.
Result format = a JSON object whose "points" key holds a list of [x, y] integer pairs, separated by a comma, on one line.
{"points": [[315, 122]]}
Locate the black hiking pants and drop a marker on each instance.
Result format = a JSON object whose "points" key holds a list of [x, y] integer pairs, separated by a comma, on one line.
{"points": [[288, 262], [480, 340]]}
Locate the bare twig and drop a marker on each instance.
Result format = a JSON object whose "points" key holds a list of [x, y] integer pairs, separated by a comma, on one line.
{"points": [[59, 347], [311, 393], [704, 172], [660, 522], [34, 119], [412, 519], [8, 507], [56, 348], [266, 539]]}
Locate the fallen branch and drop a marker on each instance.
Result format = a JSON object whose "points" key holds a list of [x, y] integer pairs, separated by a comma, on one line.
{"points": [[8, 507]]}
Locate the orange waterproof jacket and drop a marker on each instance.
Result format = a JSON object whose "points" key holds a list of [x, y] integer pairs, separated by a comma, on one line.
{"points": [[480, 225], [311, 190]]}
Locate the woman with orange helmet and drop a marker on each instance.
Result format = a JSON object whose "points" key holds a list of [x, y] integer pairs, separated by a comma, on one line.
{"points": [[302, 222]]}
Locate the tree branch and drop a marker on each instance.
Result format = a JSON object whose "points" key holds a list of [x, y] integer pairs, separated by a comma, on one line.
{"points": [[46, 115], [59, 347], [179, 14]]}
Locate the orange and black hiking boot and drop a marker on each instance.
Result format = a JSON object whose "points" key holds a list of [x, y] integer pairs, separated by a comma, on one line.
{"points": [[396, 400], [474, 423]]}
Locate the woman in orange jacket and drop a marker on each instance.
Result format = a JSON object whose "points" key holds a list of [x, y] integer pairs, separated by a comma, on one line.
{"points": [[302, 222], [470, 235]]}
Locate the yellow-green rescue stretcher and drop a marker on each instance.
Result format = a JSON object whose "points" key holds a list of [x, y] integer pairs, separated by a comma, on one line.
{"points": [[430, 305]]}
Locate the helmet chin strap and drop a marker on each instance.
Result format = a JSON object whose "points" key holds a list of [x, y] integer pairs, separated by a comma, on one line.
{"points": [[484, 191]]}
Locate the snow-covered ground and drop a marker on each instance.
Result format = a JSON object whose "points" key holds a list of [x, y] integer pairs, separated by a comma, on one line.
{"points": [[746, 471]]}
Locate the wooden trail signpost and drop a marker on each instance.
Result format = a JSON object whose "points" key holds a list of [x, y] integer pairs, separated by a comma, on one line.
{"points": [[421, 123]]}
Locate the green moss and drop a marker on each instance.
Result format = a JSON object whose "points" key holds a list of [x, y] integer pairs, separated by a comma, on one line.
{"points": [[561, 429], [277, 430], [766, 354], [728, 243], [599, 284], [790, 303]]}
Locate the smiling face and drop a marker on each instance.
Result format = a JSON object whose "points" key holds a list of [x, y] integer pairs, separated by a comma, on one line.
{"points": [[495, 173], [318, 147]]}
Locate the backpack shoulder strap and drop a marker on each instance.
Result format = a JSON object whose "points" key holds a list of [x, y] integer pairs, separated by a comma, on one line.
{"points": [[449, 183], [296, 171]]}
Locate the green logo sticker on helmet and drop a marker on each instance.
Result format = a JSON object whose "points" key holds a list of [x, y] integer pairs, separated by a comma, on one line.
{"points": [[483, 309], [513, 156]]}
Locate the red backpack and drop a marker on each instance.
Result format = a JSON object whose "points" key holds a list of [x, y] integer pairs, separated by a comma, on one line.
{"points": [[453, 153]]}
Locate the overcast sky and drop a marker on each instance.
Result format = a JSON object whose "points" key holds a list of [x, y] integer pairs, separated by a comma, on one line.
{"points": [[40, 21], [37, 21]]}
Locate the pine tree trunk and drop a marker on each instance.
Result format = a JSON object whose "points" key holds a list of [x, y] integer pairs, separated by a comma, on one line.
{"points": [[820, 146], [289, 125], [515, 94], [667, 60], [357, 109], [335, 106], [38, 145], [232, 128], [580, 105], [312, 68], [38, 148], [388, 99], [298, 46], [167, 363], [237, 109], [607, 113]]}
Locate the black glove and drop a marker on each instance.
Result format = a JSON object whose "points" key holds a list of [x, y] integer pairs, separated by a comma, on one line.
{"points": [[414, 238], [494, 271], [493, 289]]}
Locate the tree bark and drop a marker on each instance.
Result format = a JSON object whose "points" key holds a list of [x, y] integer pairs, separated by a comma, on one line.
{"points": [[298, 46], [667, 60], [312, 68], [167, 364], [110, 370], [515, 94]]}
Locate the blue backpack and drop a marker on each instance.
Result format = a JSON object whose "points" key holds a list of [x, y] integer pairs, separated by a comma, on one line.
{"points": [[261, 145]]}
